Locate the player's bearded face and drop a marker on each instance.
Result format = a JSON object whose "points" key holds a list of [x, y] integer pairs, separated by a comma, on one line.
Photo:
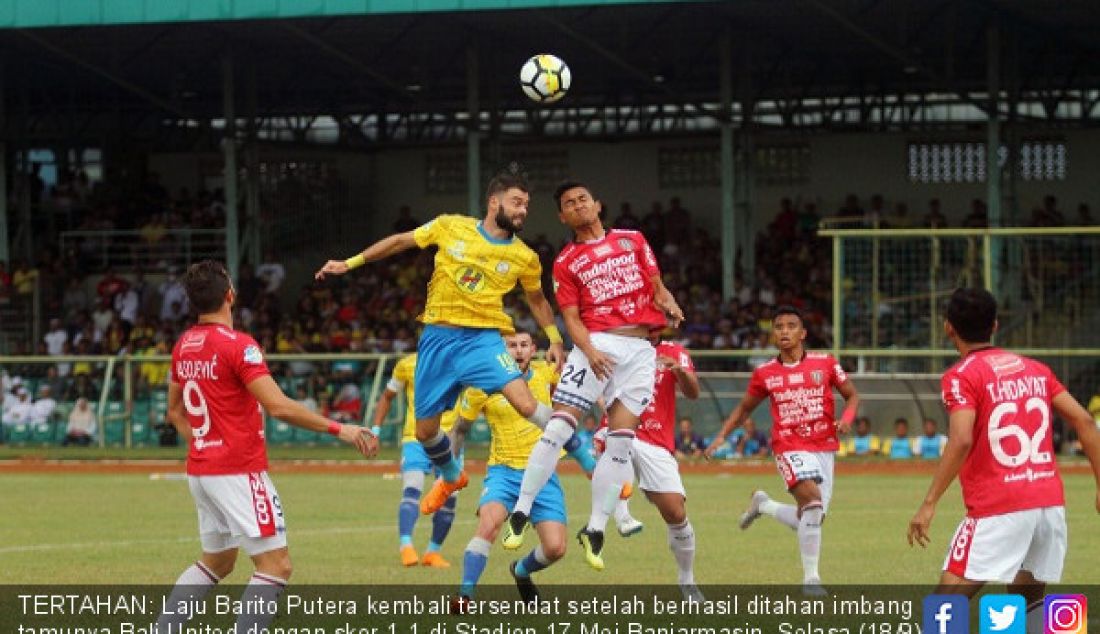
{"points": [[511, 210]]}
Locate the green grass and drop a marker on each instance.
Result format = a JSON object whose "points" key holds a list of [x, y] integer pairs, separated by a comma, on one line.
{"points": [[91, 528]]}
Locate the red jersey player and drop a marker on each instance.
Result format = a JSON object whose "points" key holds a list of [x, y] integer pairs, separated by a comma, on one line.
{"points": [[654, 453], [1000, 409], [804, 433], [217, 384], [611, 296]]}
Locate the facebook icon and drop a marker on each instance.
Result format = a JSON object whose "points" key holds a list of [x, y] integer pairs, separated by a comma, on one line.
{"points": [[946, 614]]}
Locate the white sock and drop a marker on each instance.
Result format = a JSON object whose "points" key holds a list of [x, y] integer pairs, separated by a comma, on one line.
{"points": [[809, 540], [192, 585], [542, 415], [622, 512], [261, 595], [681, 541], [613, 470], [544, 459], [785, 514], [1035, 621]]}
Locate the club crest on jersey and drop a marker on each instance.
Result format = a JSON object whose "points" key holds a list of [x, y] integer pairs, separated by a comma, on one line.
{"points": [[626, 245], [817, 376], [192, 342], [470, 279], [1005, 364], [253, 356]]}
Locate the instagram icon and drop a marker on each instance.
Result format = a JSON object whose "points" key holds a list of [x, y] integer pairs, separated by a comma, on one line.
{"points": [[1065, 614]]}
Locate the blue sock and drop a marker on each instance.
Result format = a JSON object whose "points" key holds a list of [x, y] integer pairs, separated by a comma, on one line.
{"points": [[439, 452], [581, 451], [532, 563], [473, 564], [441, 522], [407, 514]]}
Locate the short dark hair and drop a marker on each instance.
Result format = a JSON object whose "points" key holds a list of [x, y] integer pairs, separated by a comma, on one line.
{"points": [[787, 309], [565, 186], [206, 283], [972, 313], [507, 178]]}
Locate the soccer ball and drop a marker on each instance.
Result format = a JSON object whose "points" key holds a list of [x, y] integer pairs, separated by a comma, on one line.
{"points": [[545, 78]]}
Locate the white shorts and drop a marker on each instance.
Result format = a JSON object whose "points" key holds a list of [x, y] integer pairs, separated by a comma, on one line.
{"points": [[631, 380], [241, 510], [995, 548], [797, 466], [657, 469]]}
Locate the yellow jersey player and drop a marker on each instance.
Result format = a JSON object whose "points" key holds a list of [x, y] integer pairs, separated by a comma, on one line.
{"points": [[478, 262], [512, 440], [414, 466]]}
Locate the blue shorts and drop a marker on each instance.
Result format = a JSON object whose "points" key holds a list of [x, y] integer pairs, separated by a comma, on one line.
{"points": [[415, 458], [449, 359], [502, 486]]}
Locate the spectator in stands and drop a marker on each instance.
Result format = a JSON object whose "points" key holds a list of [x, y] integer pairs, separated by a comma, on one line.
{"points": [[81, 386], [56, 337], [851, 208], [81, 428], [271, 272], [173, 297], [761, 343], [21, 410], [248, 286], [977, 218], [1084, 219], [677, 224], [900, 218], [55, 382], [934, 219], [11, 397], [931, 443], [862, 441], [102, 316], [348, 404], [126, 304], [876, 211], [23, 278], [785, 225], [688, 443], [110, 286], [653, 226], [305, 399], [43, 408], [748, 441], [626, 218], [75, 299], [900, 445]]}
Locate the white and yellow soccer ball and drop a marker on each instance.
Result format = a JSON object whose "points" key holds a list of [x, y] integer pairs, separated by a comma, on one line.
{"points": [[545, 78]]}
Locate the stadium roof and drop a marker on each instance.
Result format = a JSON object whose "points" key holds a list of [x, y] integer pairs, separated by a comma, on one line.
{"points": [[637, 61]]}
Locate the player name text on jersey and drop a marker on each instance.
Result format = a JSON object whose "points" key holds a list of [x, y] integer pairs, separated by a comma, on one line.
{"points": [[197, 369], [1012, 389]]}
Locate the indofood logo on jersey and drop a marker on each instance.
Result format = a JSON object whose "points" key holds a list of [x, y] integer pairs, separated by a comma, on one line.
{"points": [[470, 279]]}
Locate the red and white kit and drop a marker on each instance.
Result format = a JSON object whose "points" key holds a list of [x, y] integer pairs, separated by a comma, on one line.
{"points": [[654, 448], [609, 281], [803, 416], [1015, 516], [227, 460]]}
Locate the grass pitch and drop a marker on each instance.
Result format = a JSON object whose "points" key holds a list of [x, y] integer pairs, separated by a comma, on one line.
{"points": [[129, 528]]}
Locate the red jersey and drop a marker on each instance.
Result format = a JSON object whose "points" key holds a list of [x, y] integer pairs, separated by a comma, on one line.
{"points": [[802, 401], [658, 421], [213, 364], [1011, 463], [609, 280]]}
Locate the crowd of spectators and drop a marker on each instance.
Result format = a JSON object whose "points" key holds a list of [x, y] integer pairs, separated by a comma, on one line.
{"points": [[375, 310]]}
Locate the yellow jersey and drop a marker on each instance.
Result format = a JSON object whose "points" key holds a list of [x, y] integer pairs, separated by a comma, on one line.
{"points": [[402, 381], [473, 272], [513, 436]]}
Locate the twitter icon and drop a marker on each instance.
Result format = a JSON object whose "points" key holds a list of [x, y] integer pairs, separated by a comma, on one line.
{"points": [[1002, 614]]}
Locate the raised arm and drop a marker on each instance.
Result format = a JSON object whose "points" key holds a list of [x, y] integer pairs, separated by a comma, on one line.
{"points": [[733, 421], [281, 406], [380, 250]]}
